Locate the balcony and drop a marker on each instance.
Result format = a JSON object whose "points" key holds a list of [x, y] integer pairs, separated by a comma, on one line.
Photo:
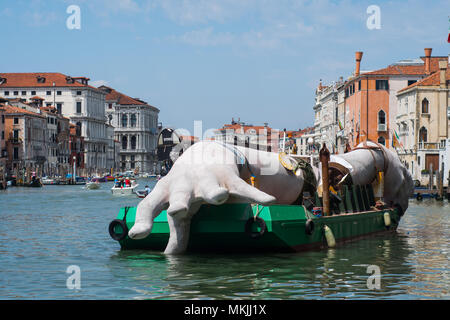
{"points": [[428, 146], [382, 127]]}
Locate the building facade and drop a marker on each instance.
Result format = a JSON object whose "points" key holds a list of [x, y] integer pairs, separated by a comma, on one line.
{"points": [[422, 124], [72, 97], [135, 125], [26, 145], [371, 100]]}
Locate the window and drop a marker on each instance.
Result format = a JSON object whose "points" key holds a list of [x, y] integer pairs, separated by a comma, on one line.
{"points": [[124, 142], [49, 93], [6, 93], [133, 120], [381, 85], [58, 93], [381, 120], [359, 85], [133, 142], [16, 153], [78, 106], [16, 93], [16, 120], [59, 107], [24, 93], [3, 135], [425, 105], [48, 104], [423, 133], [110, 106], [78, 93], [382, 141], [78, 129], [124, 120], [33, 93], [410, 82]]}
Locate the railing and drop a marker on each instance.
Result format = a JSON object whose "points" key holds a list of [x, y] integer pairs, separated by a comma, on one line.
{"points": [[428, 146], [381, 127]]}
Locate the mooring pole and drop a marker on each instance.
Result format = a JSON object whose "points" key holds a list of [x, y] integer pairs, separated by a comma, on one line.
{"points": [[324, 156]]}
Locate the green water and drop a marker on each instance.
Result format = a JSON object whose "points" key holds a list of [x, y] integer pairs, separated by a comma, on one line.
{"points": [[44, 231]]}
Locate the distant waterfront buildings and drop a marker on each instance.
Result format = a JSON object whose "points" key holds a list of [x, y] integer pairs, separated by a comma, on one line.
{"points": [[404, 106], [135, 125], [73, 98], [256, 137]]}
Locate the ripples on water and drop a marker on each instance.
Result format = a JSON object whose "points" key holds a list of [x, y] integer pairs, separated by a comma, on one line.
{"points": [[43, 231]]}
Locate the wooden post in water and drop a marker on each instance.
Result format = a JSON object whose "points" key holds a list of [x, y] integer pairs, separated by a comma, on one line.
{"points": [[324, 156]]}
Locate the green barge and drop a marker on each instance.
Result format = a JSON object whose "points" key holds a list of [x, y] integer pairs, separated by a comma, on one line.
{"points": [[256, 228]]}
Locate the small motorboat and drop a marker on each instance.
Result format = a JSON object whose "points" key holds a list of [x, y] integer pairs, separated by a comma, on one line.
{"points": [[92, 185], [48, 181], [141, 193], [125, 190]]}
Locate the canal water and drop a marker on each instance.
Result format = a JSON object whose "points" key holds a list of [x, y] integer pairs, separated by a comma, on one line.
{"points": [[44, 231]]}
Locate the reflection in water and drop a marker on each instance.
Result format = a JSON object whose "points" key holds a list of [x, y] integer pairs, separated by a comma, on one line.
{"points": [[44, 231]]}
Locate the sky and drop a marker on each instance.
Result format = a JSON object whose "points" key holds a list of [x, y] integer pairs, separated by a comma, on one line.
{"points": [[214, 60]]}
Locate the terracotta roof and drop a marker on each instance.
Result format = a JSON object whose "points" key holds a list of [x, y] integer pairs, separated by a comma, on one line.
{"points": [[399, 69], [432, 80], [36, 98], [16, 110], [18, 80], [119, 98]]}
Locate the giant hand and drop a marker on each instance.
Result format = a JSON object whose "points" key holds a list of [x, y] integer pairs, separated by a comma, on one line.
{"points": [[215, 173], [367, 159]]}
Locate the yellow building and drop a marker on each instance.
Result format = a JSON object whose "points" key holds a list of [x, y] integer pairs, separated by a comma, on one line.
{"points": [[422, 123]]}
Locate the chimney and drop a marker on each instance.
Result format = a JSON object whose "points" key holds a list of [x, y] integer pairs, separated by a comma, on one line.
{"points": [[428, 60], [358, 57], [442, 73]]}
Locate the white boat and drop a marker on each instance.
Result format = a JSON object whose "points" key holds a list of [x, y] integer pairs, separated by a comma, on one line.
{"points": [[124, 190], [47, 181], [92, 185]]}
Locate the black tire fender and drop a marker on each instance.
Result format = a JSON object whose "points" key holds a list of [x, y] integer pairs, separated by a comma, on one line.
{"points": [[309, 227], [248, 227], [112, 232], [419, 197]]}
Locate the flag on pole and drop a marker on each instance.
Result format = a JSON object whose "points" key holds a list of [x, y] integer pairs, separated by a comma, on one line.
{"points": [[395, 140]]}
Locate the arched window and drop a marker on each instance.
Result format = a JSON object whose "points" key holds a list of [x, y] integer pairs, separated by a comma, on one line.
{"points": [[124, 142], [133, 120], [425, 106], [78, 129], [381, 120], [382, 141], [133, 142], [423, 133], [124, 120]]}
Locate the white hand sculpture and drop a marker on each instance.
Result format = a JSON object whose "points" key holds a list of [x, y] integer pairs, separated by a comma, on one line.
{"points": [[215, 173]]}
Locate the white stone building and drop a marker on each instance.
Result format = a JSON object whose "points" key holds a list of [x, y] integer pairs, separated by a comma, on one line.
{"points": [[74, 98], [136, 129]]}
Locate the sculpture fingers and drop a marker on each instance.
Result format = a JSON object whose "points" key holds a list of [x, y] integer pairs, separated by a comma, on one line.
{"points": [[242, 190], [211, 192], [147, 210]]}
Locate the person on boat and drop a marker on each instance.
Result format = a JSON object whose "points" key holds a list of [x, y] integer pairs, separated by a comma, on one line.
{"points": [[147, 190], [127, 182]]}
